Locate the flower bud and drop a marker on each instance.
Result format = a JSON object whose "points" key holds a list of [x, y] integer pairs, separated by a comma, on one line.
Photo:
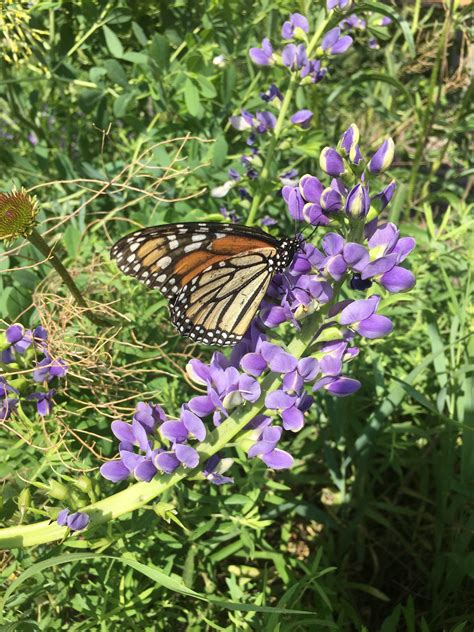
{"points": [[302, 118], [382, 199], [358, 201], [349, 139], [84, 483], [383, 157], [331, 162], [331, 200], [24, 500], [18, 211], [58, 490]]}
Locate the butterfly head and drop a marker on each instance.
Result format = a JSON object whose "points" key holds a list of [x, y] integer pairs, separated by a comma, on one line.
{"points": [[287, 249]]}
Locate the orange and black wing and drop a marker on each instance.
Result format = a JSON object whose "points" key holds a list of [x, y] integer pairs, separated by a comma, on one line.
{"points": [[214, 275]]}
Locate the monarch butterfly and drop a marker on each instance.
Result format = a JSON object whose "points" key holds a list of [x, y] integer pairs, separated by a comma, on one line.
{"points": [[214, 275]]}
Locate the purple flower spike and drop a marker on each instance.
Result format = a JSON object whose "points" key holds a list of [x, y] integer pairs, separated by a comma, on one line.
{"points": [[358, 201], [302, 118], [331, 162], [383, 157], [297, 25], [262, 56]]}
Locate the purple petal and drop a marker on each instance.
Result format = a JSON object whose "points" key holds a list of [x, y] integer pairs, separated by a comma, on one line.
{"points": [[166, 462], [193, 425], [278, 459], [141, 437], [333, 244], [249, 388], [145, 471], [302, 118], [336, 267], [283, 362], [293, 382], [331, 162], [293, 419], [114, 471], [308, 368], [398, 280], [78, 521], [403, 247], [175, 431], [123, 431], [187, 455], [62, 517], [356, 256], [376, 326], [14, 333], [330, 365], [310, 188], [379, 266], [253, 363], [356, 311], [278, 400], [341, 45], [343, 386], [383, 157], [198, 372], [131, 460], [201, 405], [272, 317], [330, 38]]}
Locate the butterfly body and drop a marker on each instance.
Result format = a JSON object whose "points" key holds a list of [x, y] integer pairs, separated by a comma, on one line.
{"points": [[214, 275]]}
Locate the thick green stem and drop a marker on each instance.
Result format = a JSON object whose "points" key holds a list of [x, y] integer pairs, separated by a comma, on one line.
{"points": [[279, 126], [37, 240]]}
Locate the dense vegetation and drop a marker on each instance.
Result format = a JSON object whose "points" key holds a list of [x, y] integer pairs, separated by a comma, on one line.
{"points": [[116, 116]]}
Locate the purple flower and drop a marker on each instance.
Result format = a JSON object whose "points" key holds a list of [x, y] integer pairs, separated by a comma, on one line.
{"points": [[334, 44], [18, 340], [358, 201], [297, 25], [266, 449], [312, 72], [302, 118], [342, 5], [262, 56], [271, 94], [382, 199], [383, 157], [74, 521], [331, 162], [214, 469], [294, 56], [47, 369], [44, 401]]}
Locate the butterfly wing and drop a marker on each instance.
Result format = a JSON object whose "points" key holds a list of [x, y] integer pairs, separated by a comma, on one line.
{"points": [[168, 257], [218, 305]]}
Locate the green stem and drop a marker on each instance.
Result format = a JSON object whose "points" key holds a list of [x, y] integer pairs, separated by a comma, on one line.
{"points": [[37, 240], [281, 120]]}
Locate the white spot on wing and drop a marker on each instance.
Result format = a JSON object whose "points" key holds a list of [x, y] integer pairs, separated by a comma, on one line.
{"points": [[164, 262]]}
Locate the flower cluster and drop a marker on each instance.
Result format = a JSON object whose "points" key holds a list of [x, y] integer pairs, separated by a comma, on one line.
{"points": [[152, 443], [30, 369], [76, 521]]}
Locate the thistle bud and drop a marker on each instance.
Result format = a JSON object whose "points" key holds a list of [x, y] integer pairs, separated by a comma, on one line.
{"points": [[331, 162], [18, 211], [383, 157], [358, 201]]}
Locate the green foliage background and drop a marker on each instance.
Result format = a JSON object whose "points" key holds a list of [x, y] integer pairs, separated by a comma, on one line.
{"points": [[372, 529]]}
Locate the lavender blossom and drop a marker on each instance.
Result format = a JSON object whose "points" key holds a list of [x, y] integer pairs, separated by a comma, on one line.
{"points": [[296, 26], [77, 521]]}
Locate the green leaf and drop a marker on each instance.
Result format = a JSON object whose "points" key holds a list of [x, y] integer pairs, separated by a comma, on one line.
{"points": [[113, 43], [191, 98], [374, 76], [160, 50], [220, 149], [121, 104], [116, 72]]}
